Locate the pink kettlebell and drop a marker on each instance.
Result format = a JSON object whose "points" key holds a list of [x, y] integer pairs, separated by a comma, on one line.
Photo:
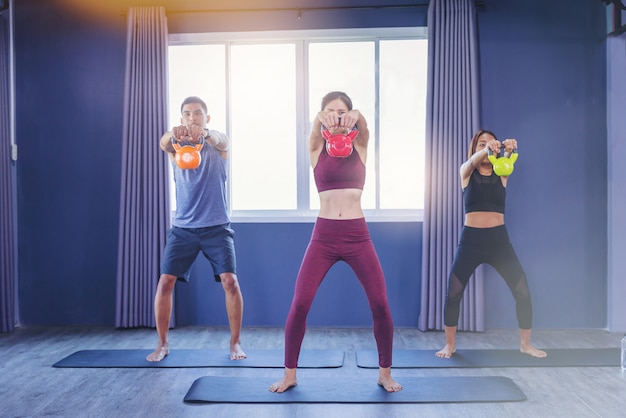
{"points": [[339, 144]]}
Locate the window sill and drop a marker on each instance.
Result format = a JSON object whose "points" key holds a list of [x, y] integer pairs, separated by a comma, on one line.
{"points": [[370, 216]]}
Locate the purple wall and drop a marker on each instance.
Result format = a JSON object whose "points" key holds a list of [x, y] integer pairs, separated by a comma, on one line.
{"points": [[543, 82], [544, 73]]}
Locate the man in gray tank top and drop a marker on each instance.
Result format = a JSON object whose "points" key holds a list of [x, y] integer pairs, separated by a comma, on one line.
{"points": [[199, 158]]}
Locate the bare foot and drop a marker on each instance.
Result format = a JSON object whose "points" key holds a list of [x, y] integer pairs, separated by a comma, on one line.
{"points": [[236, 353], [288, 381], [159, 353], [386, 381], [532, 351], [390, 385], [446, 352]]}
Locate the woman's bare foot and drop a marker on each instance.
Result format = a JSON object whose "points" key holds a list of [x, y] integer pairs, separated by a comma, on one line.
{"points": [[386, 381], [450, 347], [526, 347], [236, 353], [159, 353], [532, 351], [446, 352], [288, 381]]}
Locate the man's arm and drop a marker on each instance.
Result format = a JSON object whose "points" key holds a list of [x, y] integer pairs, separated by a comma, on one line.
{"points": [[166, 143], [217, 139], [213, 138]]}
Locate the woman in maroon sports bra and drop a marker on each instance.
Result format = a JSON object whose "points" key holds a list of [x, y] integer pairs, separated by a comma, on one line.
{"points": [[340, 233]]}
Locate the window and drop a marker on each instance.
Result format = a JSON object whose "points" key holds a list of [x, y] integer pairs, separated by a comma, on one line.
{"points": [[264, 92]]}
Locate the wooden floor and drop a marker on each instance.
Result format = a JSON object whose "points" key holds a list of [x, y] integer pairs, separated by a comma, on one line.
{"points": [[31, 387]]}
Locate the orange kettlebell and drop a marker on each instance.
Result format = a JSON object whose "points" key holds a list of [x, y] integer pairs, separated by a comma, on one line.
{"points": [[187, 157]]}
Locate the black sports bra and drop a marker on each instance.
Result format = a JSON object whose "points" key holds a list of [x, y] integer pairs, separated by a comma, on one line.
{"points": [[484, 194]]}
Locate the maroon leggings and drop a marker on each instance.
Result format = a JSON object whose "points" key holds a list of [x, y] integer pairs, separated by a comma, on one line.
{"points": [[332, 241]]}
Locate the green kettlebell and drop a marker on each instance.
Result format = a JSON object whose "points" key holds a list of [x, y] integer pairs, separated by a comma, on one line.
{"points": [[503, 166]]}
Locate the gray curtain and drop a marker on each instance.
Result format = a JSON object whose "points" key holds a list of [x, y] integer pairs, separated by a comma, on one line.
{"points": [[144, 203], [451, 119], [7, 233], [616, 172]]}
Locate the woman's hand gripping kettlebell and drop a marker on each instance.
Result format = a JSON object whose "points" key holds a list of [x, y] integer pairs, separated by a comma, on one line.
{"points": [[503, 165]]}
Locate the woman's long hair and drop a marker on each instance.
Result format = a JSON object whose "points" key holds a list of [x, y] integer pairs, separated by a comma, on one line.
{"points": [[474, 141], [337, 95]]}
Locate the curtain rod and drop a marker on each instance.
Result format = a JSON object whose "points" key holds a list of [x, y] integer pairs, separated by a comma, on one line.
{"points": [[479, 3]]}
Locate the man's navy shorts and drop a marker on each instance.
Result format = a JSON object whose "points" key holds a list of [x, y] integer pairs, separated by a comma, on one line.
{"points": [[217, 243]]}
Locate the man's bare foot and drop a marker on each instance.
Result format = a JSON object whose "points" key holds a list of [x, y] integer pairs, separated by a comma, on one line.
{"points": [[386, 381], [288, 381], [446, 352], [532, 351], [159, 353], [236, 353]]}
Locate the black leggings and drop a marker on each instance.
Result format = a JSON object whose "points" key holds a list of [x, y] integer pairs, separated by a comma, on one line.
{"points": [[491, 246]]}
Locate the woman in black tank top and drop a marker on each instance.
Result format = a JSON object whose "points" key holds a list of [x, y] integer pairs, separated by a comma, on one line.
{"points": [[484, 239]]}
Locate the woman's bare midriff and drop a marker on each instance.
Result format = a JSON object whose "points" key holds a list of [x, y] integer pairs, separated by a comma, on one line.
{"points": [[341, 204], [484, 219]]}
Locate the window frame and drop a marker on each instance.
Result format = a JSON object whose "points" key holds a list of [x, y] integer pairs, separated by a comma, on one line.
{"points": [[301, 39]]}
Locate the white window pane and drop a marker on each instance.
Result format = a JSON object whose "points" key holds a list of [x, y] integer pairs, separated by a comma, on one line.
{"points": [[348, 67], [403, 69], [253, 97], [263, 109], [314, 199], [197, 70]]}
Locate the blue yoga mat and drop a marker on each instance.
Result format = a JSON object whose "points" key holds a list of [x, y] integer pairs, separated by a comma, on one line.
{"points": [[179, 358], [570, 357], [214, 389]]}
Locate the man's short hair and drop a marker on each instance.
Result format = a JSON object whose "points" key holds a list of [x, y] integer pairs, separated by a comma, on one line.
{"points": [[194, 99]]}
